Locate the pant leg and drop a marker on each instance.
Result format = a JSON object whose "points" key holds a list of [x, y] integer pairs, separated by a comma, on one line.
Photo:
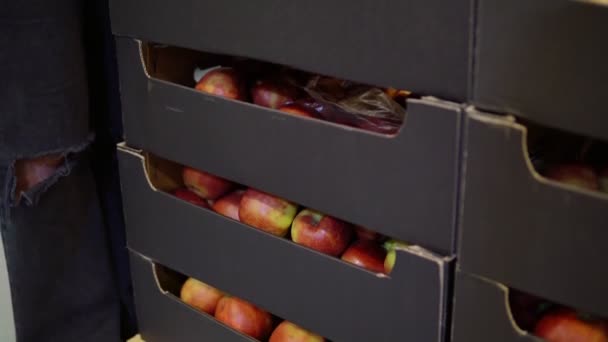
{"points": [[44, 90], [59, 267], [55, 242]]}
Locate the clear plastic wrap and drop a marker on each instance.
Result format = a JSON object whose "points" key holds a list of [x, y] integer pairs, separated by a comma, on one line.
{"points": [[355, 105]]}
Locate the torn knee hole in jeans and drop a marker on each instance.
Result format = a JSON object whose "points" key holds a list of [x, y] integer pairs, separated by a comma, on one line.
{"points": [[33, 176]]}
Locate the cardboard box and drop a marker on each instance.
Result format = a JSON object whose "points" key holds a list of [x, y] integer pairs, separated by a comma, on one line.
{"points": [[482, 313], [163, 317], [420, 45], [333, 298], [526, 231], [544, 60], [403, 186]]}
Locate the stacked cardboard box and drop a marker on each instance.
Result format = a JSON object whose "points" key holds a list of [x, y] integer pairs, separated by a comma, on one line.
{"points": [[542, 61], [455, 180], [403, 186]]}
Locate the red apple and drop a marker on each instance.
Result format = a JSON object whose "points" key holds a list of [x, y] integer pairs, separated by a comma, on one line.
{"points": [[225, 82], [229, 205], [565, 326], [321, 232], [266, 212], [526, 309], [580, 175], [289, 332], [191, 197], [604, 180], [366, 234], [272, 93], [297, 109], [201, 295], [205, 184], [391, 247], [244, 317], [367, 254]]}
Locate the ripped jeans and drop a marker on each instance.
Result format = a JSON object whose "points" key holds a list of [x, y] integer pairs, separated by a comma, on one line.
{"points": [[55, 235], [57, 257]]}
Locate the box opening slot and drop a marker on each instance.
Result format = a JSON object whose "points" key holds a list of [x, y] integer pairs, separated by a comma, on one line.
{"points": [[172, 283], [372, 109], [567, 158], [529, 311], [167, 176]]}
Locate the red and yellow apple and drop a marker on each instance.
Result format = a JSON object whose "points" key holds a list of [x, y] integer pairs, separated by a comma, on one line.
{"points": [[224, 82], [266, 212], [201, 295], [297, 109], [566, 326], [367, 234], [580, 175], [289, 332], [273, 94], [205, 184], [367, 254], [526, 309], [190, 197], [228, 205], [391, 247], [244, 317], [321, 232]]}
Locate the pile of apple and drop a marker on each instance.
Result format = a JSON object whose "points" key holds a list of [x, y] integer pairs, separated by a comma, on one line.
{"points": [[570, 159], [278, 90], [555, 323], [280, 217], [241, 315], [580, 175]]}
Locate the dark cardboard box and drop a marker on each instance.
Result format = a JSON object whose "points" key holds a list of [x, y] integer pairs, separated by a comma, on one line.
{"points": [[482, 313], [163, 317], [403, 186], [524, 230], [419, 45], [333, 298], [544, 60]]}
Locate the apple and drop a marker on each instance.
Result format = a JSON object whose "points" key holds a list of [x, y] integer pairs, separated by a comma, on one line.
{"points": [[367, 254], [565, 326], [266, 212], [205, 184], [580, 175], [272, 93], [366, 234], [526, 309], [604, 180], [321, 232], [289, 332], [225, 82], [244, 317], [297, 109], [190, 197], [201, 295], [228, 205], [391, 247]]}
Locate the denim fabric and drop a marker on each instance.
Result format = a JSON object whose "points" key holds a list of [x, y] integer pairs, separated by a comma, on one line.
{"points": [[58, 261], [44, 90], [59, 252]]}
